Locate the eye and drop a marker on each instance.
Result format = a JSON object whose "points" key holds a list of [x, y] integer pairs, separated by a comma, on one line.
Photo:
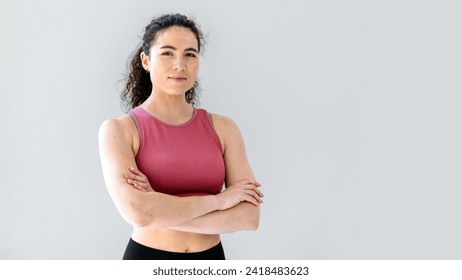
{"points": [[191, 55], [167, 53]]}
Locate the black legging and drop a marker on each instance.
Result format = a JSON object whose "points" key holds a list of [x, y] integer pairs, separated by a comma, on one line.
{"points": [[137, 251]]}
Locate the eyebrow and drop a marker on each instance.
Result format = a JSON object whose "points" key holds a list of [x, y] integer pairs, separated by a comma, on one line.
{"points": [[173, 48]]}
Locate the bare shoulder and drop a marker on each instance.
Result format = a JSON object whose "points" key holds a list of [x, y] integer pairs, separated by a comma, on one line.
{"points": [[118, 127], [224, 124], [227, 131]]}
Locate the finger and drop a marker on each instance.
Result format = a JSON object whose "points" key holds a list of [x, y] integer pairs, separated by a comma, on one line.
{"points": [[137, 178], [138, 187], [147, 187], [257, 184], [251, 182], [133, 182], [144, 186], [254, 191], [254, 188], [135, 171], [252, 200], [255, 196], [250, 196], [141, 185], [259, 192]]}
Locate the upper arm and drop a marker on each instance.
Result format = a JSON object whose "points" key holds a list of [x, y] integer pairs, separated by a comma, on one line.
{"points": [[236, 162], [237, 166], [117, 156]]}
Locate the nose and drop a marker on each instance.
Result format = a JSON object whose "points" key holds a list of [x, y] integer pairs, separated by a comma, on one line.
{"points": [[179, 64]]}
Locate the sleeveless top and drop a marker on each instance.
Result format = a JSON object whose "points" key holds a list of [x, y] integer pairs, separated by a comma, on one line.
{"points": [[181, 160]]}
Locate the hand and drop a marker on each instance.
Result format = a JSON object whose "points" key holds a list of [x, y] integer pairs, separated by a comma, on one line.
{"points": [[245, 190], [138, 180]]}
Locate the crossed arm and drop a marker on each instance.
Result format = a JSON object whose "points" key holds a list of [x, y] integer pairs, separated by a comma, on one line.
{"points": [[237, 217], [236, 208]]}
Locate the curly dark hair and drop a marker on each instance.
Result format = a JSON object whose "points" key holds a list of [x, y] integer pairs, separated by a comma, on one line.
{"points": [[138, 83]]}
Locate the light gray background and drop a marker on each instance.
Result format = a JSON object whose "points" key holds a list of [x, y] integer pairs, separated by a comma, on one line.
{"points": [[351, 112]]}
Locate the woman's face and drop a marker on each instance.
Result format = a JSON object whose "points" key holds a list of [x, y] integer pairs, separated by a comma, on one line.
{"points": [[173, 62]]}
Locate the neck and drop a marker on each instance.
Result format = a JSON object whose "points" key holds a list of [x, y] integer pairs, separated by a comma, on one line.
{"points": [[171, 108]]}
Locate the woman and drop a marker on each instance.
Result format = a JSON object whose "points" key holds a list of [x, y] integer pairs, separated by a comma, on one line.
{"points": [[165, 162]]}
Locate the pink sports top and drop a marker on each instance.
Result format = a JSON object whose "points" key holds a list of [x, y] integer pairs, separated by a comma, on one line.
{"points": [[181, 160]]}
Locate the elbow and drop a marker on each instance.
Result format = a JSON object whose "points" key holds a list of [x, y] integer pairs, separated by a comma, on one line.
{"points": [[139, 215], [253, 220], [133, 205], [138, 220], [254, 223], [136, 216], [253, 226]]}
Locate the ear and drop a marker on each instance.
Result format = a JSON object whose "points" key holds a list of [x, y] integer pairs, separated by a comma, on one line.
{"points": [[145, 61]]}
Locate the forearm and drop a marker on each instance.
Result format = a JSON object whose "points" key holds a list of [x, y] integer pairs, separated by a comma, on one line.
{"points": [[162, 210], [244, 216], [172, 211]]}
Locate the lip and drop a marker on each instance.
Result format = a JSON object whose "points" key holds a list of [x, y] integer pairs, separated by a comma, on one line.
{"points": [[178, 78]]}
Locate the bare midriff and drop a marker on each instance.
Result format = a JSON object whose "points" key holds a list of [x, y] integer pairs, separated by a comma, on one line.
{"points": [[173, 240]]}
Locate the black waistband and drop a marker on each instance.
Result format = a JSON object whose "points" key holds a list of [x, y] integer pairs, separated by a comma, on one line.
{"points": [[137, 251]]}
